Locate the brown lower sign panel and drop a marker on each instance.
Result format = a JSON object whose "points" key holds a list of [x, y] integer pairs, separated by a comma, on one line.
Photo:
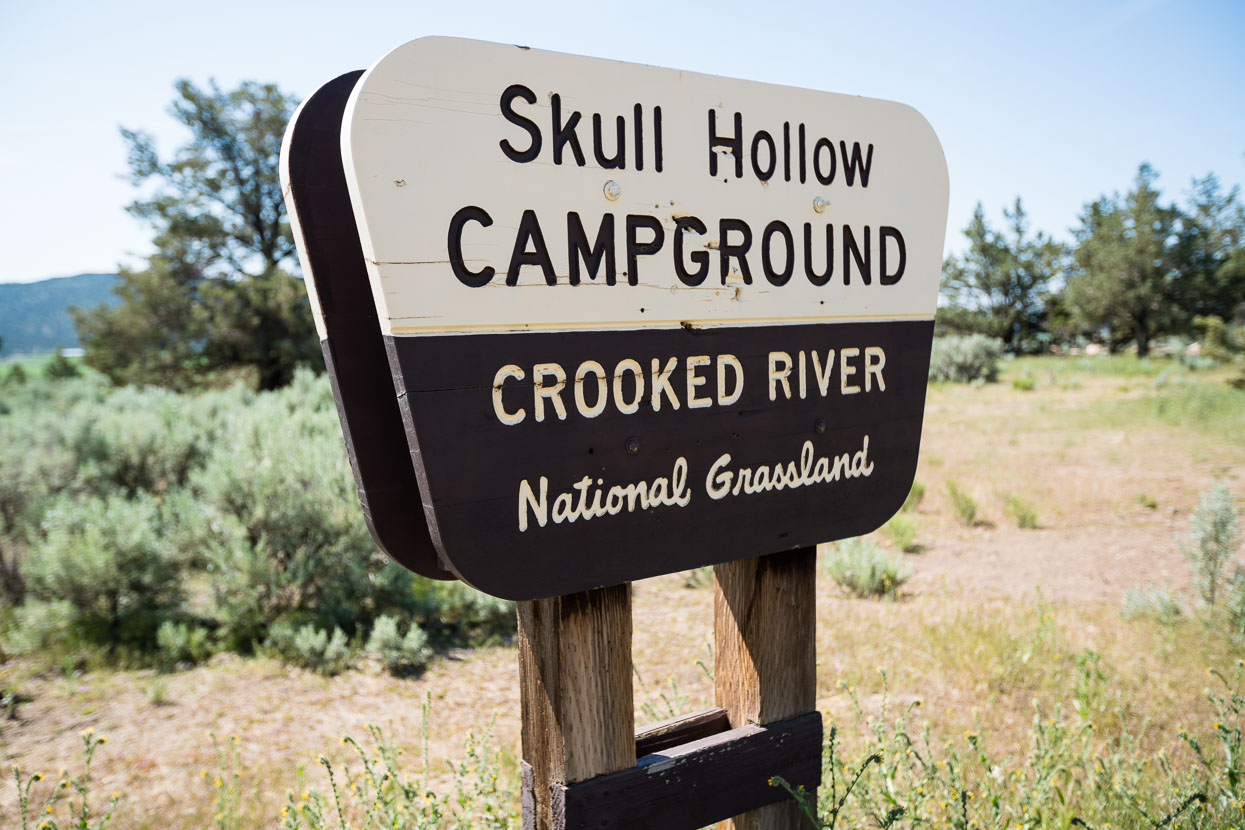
{"points": [[556, 462]]}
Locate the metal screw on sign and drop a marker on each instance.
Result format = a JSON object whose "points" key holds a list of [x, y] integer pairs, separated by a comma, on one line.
{"points": [[820, 204], [633, 445], [612, 190], [819, 426]]}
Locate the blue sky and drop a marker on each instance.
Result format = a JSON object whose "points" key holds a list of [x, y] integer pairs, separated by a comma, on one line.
{"points": [[1054, 101]]}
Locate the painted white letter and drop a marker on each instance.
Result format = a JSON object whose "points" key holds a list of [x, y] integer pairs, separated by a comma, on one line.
{"points": [[777, 375], [875, 359], [725, 360], [845, 371], [553, 393], [694, 381], [507, 418], [590, 367], [823, 378], [624, 406], [661, 383], [540, 508]]}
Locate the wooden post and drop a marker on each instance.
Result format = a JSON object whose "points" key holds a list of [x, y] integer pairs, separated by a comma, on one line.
{"points": [[575, 687], [764, 621]]}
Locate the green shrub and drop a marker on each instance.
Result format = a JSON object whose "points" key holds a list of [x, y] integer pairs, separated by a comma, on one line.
{"points": [[1214, 531], [1234, 602], [964, 505], [965, 358], [1146, 501], [1025, 383], [1220, 341], [1023, 513], [400, 654], [915, 493], [454, 613], [1152, 602], [136, 440], [38, 626], [247, 494], [34, 466], [310, 647], [901, 529], [157, 691], [60, 367], [279, 527], [179, 644], [107, 557], [865, 570]]}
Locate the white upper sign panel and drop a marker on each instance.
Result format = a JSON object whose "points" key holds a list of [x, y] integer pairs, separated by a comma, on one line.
{"points": [[499, 188]]}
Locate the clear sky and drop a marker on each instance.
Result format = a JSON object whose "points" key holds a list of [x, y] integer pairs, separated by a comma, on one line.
{"points": [[1055, 101]]}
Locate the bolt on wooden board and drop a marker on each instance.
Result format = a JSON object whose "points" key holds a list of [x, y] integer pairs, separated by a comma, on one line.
{"points": [[628, 307]]}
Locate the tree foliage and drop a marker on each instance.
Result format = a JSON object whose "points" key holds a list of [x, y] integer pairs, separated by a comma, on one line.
{"points": [[1001, 285], [1128, 264], [1212, 254], [215, 295]]}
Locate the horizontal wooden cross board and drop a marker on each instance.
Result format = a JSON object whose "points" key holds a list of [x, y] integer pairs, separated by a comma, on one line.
{"points": [[699, 782]]}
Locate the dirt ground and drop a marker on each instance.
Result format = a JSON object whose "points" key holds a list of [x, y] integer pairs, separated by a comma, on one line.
{"points": [[1094, 540]]}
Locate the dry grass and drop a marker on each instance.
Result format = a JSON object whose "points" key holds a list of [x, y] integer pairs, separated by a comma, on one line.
{"points": [[970, 638]]}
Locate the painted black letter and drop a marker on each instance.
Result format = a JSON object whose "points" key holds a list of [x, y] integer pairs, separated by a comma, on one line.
{"points": [[763, 175], [635, 249], [829, 145], [735, 142], [657, 139], [681, 226], [727, 250], [529, 230], [565, 133], [638, 114], [850, 252], [884, 233], [577, 247], [803, 160], [851, 165], [472, 279], [813, 276], [786, 151], [507, 110], [619, 161], [767, 261]]}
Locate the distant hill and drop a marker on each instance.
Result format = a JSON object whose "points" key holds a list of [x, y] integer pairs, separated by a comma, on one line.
{"points": [[34, 316]]}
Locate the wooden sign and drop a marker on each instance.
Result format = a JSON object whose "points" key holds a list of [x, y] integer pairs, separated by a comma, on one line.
{"points": [[641, 320], [314, 185]]}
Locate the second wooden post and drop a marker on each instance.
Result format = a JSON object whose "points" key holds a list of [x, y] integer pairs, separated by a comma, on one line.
{"points": [[764, 656]]}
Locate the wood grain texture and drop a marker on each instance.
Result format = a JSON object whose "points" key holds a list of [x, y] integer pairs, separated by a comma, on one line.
{"points": [[764, 621], [696, 783], [575, 688], [681, 730]]}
